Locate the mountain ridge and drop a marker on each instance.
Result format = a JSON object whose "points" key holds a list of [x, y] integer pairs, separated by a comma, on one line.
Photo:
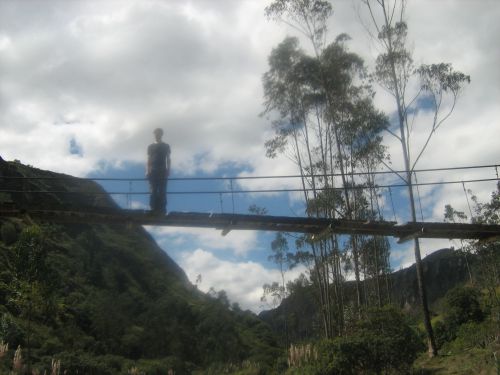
{"points": [[114, 299], [443, 269]]}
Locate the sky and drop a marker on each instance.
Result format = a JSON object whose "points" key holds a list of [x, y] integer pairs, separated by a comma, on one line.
{"points": [[84, 83]]}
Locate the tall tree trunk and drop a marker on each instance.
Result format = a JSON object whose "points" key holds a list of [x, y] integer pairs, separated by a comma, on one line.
{"points": [[377, 281], [319, 280], [432, 348], [418, 260]]}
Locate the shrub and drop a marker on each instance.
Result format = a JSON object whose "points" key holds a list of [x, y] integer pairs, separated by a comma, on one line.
{"points": [[10, 331], [442, 333], [392, 343], [475, 335], [80, 362], [382, 343], [8, 233], [162, 366], [462, 306]]}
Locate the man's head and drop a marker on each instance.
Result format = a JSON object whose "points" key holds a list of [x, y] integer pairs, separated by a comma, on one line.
{"points": [[158, 132]]}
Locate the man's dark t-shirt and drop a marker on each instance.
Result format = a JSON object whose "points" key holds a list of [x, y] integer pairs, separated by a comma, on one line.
{"points": [[157, 153]]}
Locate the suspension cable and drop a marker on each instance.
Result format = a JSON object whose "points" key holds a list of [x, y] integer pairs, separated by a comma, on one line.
{"points": [[291, 190], [418, 196], [467, 199], [245, 177], [392, 204]]}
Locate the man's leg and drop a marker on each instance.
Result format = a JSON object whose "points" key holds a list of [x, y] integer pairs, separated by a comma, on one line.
{"points": [[151, 194], [153, 198], [162, 195]]}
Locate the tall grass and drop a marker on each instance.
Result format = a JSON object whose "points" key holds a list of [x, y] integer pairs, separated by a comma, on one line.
{"points": [[299, 355]]}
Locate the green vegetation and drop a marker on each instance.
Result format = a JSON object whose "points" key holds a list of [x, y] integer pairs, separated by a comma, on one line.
{"points": [[98, 299], [468, 329], [320, 104], [464, 289], [105, 299], [380, 343], [115, 305], [467, 335], [319, 100]]}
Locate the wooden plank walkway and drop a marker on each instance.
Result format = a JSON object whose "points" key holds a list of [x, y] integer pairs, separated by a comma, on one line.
{"points": [[316, 227]]}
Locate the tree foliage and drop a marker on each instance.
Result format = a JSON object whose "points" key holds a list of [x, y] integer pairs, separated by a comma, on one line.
{"points": [[472, 314], [462, 306], [438, 84], [381, 343], [103, 301], [324, 120]]}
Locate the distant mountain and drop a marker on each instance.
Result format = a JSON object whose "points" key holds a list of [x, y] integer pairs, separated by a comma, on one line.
{"points": [[105, 298], [443, 270]]}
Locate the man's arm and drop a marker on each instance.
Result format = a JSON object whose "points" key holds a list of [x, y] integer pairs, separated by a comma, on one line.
{"points": [[168, 162]]}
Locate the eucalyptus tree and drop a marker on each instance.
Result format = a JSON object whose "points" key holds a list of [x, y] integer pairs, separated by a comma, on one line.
{"points": [[291, 92], [489, 251], [327, 124], [285, 260], [486, 254], [437, 84], [453, 216], [361, 142]]}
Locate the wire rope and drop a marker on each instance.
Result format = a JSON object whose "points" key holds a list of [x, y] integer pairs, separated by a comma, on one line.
{"points": [[467, 199], [392, 204], [246, 177], [285, 190], [418, 196]]}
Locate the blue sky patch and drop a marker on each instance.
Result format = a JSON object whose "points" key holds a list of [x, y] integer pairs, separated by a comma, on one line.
{"points": [[75, 148]]}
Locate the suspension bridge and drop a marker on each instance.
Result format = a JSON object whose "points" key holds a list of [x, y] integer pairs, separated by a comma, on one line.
{"points": [[226, 222], [316, 227]]}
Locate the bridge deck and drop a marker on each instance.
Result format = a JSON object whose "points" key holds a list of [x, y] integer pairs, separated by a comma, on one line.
{"points": [[317, 227]]}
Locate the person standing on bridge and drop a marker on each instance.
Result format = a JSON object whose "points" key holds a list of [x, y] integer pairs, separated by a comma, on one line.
{"points": [[157, 172]]}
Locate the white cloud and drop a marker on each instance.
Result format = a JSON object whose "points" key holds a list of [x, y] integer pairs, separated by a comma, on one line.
{"points": [[242, 281], [403, 257], [115, 70], [127, 68], [104, 74], [235, 242], [4, 42]]}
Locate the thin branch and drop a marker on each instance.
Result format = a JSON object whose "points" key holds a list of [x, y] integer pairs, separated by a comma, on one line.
{"points": [[393, 134], [412, 101], [431, 133], [393, 11], [303, 32], [448, 114], [366, 27], [392, 170], [403, 7], [372, 15]]}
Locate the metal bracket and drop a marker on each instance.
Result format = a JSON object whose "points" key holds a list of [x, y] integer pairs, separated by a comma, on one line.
{"points": [[411, 236]]}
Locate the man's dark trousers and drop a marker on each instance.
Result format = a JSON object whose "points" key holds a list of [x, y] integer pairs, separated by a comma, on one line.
{"points": [[158, 188]]}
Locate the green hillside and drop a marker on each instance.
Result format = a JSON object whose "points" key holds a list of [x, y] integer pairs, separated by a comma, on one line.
{"points": [[444, 270], [105, 299], [465, 319]]}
